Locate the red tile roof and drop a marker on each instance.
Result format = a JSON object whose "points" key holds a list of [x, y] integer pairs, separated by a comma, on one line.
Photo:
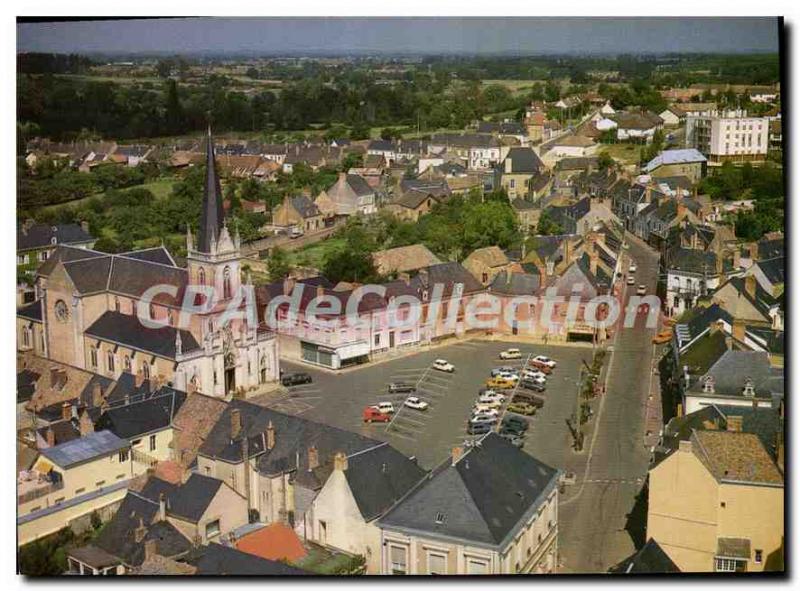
{"points": [[276, 541]]}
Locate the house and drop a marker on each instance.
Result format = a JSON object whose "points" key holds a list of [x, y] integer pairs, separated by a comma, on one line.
{"points": [[363, 486], [351, 194], [744, 298], [403, 259], [489, 509], [527, 213], [568, 146], [728, 135], [716, 504], [133, 155], [568, 103], [276, 541], [518, 170], [414, 203], [770, 274], [638, 126], [36, 242], [691, 274], [689, 163], [298, 212], [485, 263]]}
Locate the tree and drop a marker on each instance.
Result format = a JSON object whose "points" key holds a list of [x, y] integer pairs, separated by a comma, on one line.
{"points": [[278, 266], [548, 226], [604, 161]]}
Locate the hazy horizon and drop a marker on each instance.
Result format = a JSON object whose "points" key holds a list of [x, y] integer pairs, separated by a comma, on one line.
{"points": [[405, 36]]}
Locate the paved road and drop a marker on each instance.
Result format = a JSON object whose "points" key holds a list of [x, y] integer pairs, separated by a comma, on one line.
{"points": [[593, 515]]}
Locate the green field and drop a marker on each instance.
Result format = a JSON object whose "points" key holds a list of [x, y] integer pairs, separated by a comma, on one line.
{"points": [[160, 188], [315, 254], [624, 153]]}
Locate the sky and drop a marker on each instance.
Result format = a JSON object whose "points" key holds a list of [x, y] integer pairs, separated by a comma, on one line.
{"points": [[334, 36]]}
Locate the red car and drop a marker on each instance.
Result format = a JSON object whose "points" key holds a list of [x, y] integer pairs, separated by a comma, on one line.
{"points": [[371, 414], [546, 369]]}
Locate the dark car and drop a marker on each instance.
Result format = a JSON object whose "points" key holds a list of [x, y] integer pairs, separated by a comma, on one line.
{"points": [[478, 428], [295, 379], [516, 424], [528, 399], [515, 439], [401, 387], [533, 385]]}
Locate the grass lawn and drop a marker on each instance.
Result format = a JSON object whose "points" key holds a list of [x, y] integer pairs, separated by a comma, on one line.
{"points": [[160, 188], [513, 85], [625, 153], [316, 254]]}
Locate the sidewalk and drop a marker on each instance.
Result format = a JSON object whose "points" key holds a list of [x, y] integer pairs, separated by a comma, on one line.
{"points": [[653, 418]]}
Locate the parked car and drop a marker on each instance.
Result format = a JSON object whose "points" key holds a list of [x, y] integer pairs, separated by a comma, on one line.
{"points": [[533, 374], [535, 385], [483, 418], [372, 414], [295, 233], [641, 290], [631, 280], [401, 388], [416, 403], [512, 423], [442, 365], [494, 398], [632, 268], [485, 409], [544, 360], [492, 403], [514, 439], [527, 398], [665, 336], [295, 379], [500, 383], [511, 354], [478, 428], [501, 370], [521, 408], [385, 407]]}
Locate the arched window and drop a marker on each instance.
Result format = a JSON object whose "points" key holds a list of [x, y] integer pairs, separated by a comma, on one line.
{"points": [[226, 283], [110, 361], [146, 370], [126, 363], [93, 356], [262, 370], [201, 276], [26, 336]]}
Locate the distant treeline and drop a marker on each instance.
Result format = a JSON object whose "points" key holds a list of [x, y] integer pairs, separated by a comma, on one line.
{"points": [[52, 63]]}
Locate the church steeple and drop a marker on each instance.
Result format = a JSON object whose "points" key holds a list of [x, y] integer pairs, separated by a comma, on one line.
{"points": [[212, 215]]}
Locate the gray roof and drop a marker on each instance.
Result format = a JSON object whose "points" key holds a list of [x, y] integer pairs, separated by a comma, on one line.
{"points": [[32, 311], [305, 207], [216, 559], [733, 548], [651, 559], [191, 499], [142, 416], [43, 235], [85, 449], [157, 254], [515, 283], [128, 330], [692, 260], [734, 367], [523, 160], [380, 476], [774, 269], [482, 498], [212, 213]]}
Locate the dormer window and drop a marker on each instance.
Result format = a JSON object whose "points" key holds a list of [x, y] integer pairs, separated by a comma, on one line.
{"points": [[749, 388], [708, 384], [440, 517]]}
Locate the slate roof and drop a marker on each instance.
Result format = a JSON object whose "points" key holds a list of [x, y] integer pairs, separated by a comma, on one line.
{"points": [[700, 319], [650, 559], [127, 329], [523, 161], [85, 449], [211, 213], [507, 283], [158, 254], [305, 207], [42, 235], [449, 274], [191, 499], [734, 367], [139, 418], [216, 559], [667, 157], [577, 163], [691, 260], [769, 249], [774, 269], [32, 311], [66, 253], [733, 548], [481, 499]]}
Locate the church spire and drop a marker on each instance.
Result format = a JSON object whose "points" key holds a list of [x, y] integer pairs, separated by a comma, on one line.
{"points": [[212, 215]]}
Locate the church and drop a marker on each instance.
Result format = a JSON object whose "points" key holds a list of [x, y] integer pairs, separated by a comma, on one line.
{"points": [[89, 307]]}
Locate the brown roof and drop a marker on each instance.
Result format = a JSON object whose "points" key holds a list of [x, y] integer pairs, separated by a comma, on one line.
{"points": [[403, 259], [195, 419], [276, 541], [735, 456], [69, 381], [491, 256], [578, 141]]}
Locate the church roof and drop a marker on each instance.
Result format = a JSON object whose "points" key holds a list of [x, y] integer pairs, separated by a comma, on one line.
{"points": [[212, 214]]}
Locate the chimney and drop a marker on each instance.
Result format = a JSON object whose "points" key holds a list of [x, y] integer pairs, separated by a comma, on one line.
{"points": [[313, 458], [750, 285], [340, 461], [66, 411], [236, 423], [139, 378], [162, 507], [737, 330], [270, 435], [150, 549], [50, 436], [456, 453], [97, 394], [85, 424], [735, 424]]}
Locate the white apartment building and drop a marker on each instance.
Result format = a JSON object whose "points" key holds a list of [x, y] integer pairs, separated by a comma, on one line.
{"points": [[728, 135]]}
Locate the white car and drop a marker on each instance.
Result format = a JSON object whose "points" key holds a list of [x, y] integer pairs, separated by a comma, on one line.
{"points": [[482, 404], [544, 360], [535, 377], [416, 403], [501, 370], [481, 409], [632, 268], [533, 374], [510, 376], [442, 365], [491, 396], [631, 280], [511, 354], [385, 407], [641, 290]]}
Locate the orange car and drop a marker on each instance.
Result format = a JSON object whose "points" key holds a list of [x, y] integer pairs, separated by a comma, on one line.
{"points": [[665, 336]]}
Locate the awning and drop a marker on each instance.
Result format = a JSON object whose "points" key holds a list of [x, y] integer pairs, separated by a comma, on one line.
{"points": [[353, 350]]}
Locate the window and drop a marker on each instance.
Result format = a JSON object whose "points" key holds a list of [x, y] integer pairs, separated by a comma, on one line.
{"points": [[477, 567], [26, 337], [437, 564], [22, 259], [323, 531], [80, 491], [729, 565], [226, 283], [123, 456], [100, 483], [759, 556], [146, 370], [126, 363], [152, 443], [201, 276], [43, 256], [110, 361], [377, 340], [116, 304], [397, 558], [136, 442], [212, 528], [120, 476], [93, 357]]}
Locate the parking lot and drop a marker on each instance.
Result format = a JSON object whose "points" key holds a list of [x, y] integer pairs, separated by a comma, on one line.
{"points": [[339, 399]]}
